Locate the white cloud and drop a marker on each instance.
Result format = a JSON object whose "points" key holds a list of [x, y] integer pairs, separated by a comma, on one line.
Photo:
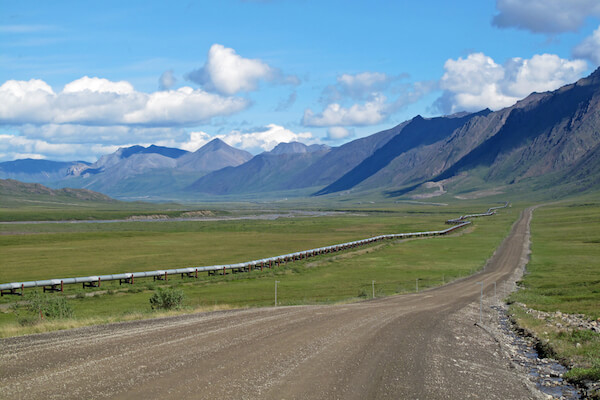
{"points": [[228, 73], [545, 16], [540, 73], [197, 140], [167, 80], [98, 85], [100, 102], [477, 82], [370, 113], [265, 139], [17, 147], [25, 101], [184, 106], [20, 156], [337, 133], [117, 134], [589, 48]]}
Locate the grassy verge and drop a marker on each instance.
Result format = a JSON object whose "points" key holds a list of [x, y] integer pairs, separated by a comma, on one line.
{"points": [[564, 275], [394, 266]]}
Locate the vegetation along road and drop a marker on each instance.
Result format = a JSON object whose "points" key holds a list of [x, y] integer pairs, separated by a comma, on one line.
{"points": [[419, 346]]}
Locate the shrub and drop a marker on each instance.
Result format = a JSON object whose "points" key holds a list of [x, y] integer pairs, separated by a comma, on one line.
{"points": [[50, 306], [39, 306], [167, 299]]}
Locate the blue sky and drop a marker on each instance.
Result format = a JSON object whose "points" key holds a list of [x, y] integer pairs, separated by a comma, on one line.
{"points": [[79, 79]]}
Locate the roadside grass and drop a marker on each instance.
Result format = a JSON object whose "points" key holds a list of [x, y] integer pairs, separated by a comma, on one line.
{"points": [[343, 277], [564, 275], [564, 271]]}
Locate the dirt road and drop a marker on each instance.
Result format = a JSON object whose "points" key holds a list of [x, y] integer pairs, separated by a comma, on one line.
{"points": [[419, 346]]}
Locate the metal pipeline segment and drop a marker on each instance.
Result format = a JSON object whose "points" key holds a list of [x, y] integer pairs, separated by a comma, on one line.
{"points": [[163, 273]]}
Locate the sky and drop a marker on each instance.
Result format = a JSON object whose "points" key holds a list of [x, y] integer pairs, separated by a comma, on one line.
{"points": [[79, 79]]}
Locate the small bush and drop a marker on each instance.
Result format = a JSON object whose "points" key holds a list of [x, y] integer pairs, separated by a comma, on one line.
{"points": [[363, 293], [40, 306], [167, 299]]}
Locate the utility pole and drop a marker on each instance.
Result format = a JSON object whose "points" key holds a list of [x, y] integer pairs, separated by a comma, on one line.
{"points": [[480, 302], [373, 284], [417, 284], [276, 282]]}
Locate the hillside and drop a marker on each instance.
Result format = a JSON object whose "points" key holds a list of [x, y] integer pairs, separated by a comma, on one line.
{"points": [[213, 156], [13, 192], [265, 172], [416, 133]]}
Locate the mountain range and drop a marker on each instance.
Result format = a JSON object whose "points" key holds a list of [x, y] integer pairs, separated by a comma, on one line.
{"points": [[545, 141]]}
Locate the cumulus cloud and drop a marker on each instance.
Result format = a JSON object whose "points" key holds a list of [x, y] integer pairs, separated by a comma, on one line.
{"points": [[589, 48], [17, 147], [477, 82], [545, 16], [369, 113], [98, 85], [338, 132], [100, 102], [265, 139], [228, 73], [167, 80], [82, 134]]}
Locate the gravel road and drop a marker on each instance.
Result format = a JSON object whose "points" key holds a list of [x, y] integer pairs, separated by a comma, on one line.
{"points": [[418, 346]]}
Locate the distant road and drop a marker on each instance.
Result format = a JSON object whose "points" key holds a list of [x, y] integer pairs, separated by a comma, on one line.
{"points": [[418, 346], [266, 216]]}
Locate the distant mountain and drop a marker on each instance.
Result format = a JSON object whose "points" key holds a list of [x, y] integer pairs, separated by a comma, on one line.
{"points": [[213, 156], [30, 170], [342, 159], [136, 171], [267, 171], [153, 149], [137, 157], [298, 148]]}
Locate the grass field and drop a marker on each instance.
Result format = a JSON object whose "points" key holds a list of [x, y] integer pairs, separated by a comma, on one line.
{"points": [[564, 275], [564, 271], [36, 251]]}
